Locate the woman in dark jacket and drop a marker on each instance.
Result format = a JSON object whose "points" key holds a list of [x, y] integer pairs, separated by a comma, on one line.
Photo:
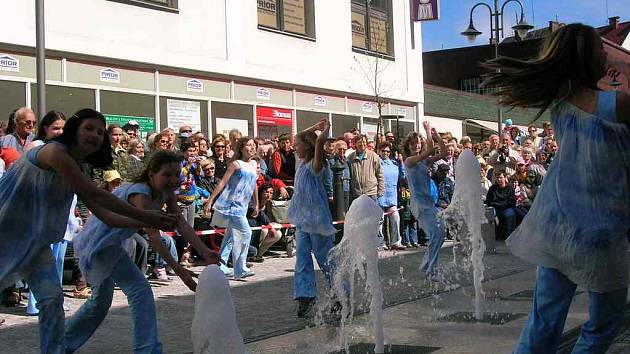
{"points": [[502, 198]]}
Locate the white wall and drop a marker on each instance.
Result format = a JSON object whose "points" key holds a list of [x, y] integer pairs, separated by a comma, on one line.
{"points": [[221, 36]]}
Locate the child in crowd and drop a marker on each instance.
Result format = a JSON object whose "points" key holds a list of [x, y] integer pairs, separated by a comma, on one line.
{"points": [[105, 262], [419, 157], [43, 183], [576, 231], [237, 188], [311, 216]]}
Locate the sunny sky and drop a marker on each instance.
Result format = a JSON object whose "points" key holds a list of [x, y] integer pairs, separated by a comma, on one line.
{"points": [[454, 16]]}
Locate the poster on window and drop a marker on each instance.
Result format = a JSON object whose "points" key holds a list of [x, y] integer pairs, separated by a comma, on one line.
{"points": [[370, 130], [224, 125], [425, 10], [267, 13], [358, 26], [378, 31], [294, 16], [180, 113]]}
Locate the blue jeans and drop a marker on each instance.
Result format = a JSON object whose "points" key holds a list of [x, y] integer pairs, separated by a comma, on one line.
{"points": [[410, 232], [434, 228], [44, 284], [552, 297], [81, 326], [168, 242], [304, 277], [236, 241], [58, 252], [507, 222]]}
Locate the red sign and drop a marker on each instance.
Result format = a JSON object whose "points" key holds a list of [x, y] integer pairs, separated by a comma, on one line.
{"points": [[274, 116]]}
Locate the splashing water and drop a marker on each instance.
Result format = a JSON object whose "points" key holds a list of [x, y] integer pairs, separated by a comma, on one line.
{"points": [[464, 217], [357, 254], [214, 329]]}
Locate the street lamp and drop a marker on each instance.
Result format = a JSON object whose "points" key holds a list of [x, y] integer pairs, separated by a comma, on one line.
{"points": [[496, 32]]}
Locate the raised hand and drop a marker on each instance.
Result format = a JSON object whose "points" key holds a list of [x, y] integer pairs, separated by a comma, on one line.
{"points": [[427, 127]]}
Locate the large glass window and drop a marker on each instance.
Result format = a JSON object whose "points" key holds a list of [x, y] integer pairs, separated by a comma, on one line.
{"points": [[168, 5], [121, 107], [372, 26], [343, 123], [13, 97], [65, 99], [290, 16]]}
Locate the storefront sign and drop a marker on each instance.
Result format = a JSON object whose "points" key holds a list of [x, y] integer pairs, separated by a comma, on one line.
{"points": [[274, 116], [267, 13], [263, 94], [147, 124], [9, 63], [224, 125], [367, 107], [183, 113], [319, 101], [110, 75], [426, 10], [194, 85], [401, 112]]}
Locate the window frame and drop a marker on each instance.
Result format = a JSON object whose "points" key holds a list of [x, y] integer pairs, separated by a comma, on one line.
{"points": [[391, 50], [169, 6], [309, 21]]}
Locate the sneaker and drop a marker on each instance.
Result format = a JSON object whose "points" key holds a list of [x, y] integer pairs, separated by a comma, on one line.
{"points": [[160, 274], [305, 306], [415, 245], [396, 247], [246, 274]]}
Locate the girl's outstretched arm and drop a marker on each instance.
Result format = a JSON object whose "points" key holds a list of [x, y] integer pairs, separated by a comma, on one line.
{"points": [[56, 157], [318, 157]]}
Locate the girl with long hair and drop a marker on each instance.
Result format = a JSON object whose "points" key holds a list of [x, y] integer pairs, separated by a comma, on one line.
{"points": [[310, 214], [237, 188], [35, 198], [105, 262], [576, 230], [419, 154]]}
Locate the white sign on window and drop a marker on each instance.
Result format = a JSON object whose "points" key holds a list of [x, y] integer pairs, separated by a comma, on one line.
{"points": [[367, 107], [401, 112], [110, 75], [263, 94], [180, 113], [224, 125], [9, 63], [194, 85], [319, 101], [370, 130]]}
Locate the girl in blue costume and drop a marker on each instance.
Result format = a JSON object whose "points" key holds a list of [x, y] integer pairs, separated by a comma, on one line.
{"points": [[577, 228], [237, 188], [310, 214], [419, 156], [105, 262], [35, 198]]}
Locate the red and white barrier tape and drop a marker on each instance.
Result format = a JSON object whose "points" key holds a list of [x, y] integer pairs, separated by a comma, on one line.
{"points": [[254, 228]]}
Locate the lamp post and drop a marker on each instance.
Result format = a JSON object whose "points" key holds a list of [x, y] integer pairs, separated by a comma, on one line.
{"points": [[496, 32]]}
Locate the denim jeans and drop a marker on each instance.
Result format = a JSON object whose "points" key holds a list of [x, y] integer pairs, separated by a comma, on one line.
{"points": [[552, 298], [58, 252], [507, 222], [434, 228], [236, 241], [44, 284], [168, 242], [304, 277], [81, 326], [410, 232]]}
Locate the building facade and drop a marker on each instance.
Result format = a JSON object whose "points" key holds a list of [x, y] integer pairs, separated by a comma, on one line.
{"points": [[264, 67]]}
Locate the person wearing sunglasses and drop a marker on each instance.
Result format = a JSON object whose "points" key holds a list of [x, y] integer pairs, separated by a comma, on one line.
{"points": [[25, 123], [219, 156], [208, 180]]}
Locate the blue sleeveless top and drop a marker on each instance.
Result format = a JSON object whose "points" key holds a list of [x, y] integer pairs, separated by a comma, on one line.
{"points": [[90, 244], [579, 222], [419, 181], [34, 208], [309, 210], [237, 193]]}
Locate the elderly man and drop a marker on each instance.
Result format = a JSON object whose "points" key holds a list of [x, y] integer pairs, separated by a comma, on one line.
{"points": [[503, 157], [366, 172], [25, 124]]}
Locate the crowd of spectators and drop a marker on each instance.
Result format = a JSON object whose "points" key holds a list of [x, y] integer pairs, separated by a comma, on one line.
{"points": [[512, 167]]}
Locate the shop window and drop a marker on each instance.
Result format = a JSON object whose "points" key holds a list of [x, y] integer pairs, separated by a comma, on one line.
{"points": [[175, 112], [228, 116], [372, 27], [307, 119], [67, 100], [121, 107], [293, 17], [165, 5], [342, 124], [13, 96]]}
